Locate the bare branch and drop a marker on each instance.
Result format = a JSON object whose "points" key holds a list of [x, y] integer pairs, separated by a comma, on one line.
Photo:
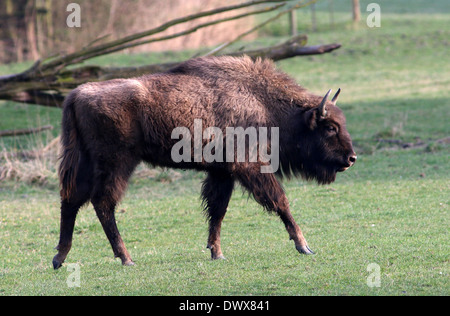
{"points": [[188, 31], [299, 5], [25, 131]]}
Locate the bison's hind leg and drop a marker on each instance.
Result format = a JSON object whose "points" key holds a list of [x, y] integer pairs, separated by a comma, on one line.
{"points": [[110, 183], [79, 195]]}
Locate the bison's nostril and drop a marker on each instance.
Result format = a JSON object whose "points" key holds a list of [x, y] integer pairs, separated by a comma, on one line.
{"points": [[352, 159]]}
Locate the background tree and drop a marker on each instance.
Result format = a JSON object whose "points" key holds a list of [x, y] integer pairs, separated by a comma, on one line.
{"points": [[17, 30], [356, 11]]}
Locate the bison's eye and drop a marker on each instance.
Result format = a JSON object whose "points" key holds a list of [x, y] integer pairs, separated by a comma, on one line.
{"points": [[331, 129]]}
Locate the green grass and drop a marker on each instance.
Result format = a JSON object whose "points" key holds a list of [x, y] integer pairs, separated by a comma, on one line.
{"points": [[391, 208]]}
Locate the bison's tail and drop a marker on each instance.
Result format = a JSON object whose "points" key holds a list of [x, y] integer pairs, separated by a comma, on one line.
{"points": [[71, 149]]}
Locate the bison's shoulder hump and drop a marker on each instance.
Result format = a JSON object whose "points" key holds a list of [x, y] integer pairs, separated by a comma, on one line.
{"points": [[214, 66]]}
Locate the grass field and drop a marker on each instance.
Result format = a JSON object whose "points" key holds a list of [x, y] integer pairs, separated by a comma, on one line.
{"points": [[391, 210]]}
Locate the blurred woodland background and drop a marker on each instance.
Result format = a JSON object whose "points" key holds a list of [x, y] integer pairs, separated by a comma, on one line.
{"points": [[33, 29]]}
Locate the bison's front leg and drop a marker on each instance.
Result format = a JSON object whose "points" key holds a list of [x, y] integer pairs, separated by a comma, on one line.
{"points": [[216, 192], [268, 192]]}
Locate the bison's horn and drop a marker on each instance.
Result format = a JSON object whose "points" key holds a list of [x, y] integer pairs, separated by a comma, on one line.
{"points": [[322, 108], [334, 100]]}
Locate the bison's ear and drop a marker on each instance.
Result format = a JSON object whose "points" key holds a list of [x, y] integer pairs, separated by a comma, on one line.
{"points": [[310, 118]]}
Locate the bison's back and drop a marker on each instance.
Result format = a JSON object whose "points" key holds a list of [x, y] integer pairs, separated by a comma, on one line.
{"points": [[139, 114], [176, 99]]}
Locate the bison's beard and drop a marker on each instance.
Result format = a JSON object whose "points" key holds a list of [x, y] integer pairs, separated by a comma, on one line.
{"points": [[323, 175], [316, 171], [308, 165]]}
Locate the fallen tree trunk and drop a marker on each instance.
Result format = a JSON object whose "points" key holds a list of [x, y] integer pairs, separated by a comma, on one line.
{"points": [[50, 90]]}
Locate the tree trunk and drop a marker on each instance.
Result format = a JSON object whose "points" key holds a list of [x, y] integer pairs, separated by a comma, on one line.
{"points": [[18, 31], [331, 9], [30, 29], [313, 17], [356, 11], [293, 23]]}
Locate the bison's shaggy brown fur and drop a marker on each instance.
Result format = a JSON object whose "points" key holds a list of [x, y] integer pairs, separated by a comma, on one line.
{"points": [[109, 127]]}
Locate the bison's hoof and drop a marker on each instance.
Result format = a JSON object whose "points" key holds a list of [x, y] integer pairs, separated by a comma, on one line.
{"points": [[56, 263], [128, 263], [304, 250]]}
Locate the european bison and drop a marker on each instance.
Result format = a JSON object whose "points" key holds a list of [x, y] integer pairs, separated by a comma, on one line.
{"points": [[109, 127]]}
